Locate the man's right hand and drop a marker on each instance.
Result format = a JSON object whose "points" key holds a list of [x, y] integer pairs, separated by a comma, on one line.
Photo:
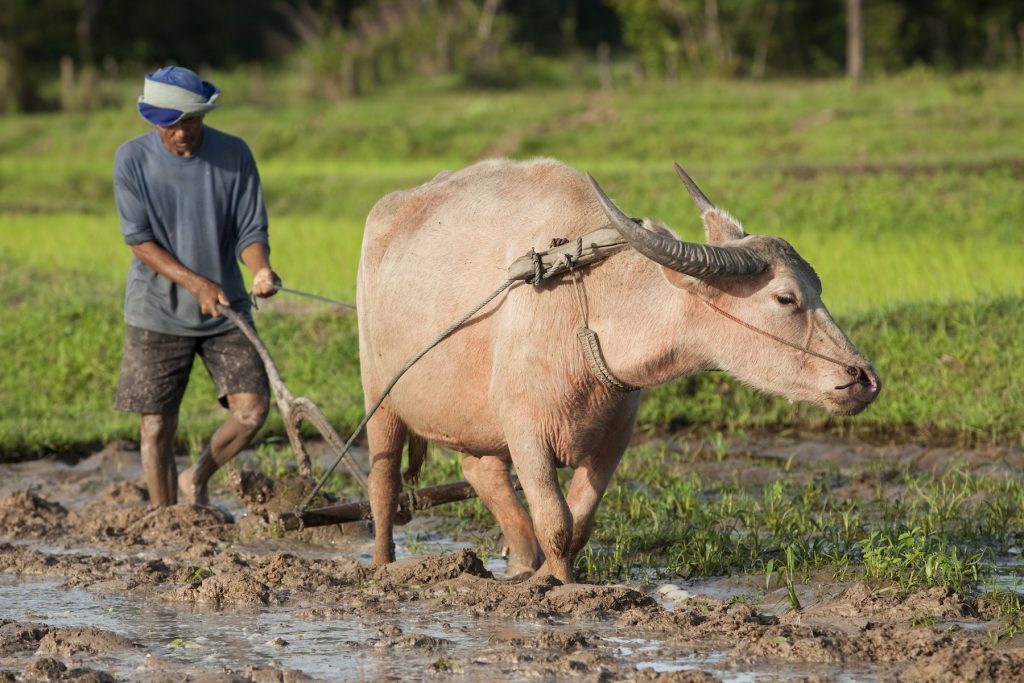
{"points": [[209, 294], [206, 292]]}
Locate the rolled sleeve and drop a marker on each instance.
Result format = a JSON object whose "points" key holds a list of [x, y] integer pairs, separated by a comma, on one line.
{"points": [[137, 237], [251, 240], [131, 208], [251, 213]]}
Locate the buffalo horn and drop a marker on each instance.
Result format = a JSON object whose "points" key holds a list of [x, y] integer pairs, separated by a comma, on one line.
{"points": [[699, 198], [696, 260]]}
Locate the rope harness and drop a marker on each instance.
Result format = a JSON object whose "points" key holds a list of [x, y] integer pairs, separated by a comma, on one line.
{"points": [[589, 344]]}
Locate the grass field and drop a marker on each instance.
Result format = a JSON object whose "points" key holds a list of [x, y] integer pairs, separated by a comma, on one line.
{"points": [[905, 195]]}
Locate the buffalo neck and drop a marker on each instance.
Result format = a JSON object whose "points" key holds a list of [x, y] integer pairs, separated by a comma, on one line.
{"points": [[651, 331]]}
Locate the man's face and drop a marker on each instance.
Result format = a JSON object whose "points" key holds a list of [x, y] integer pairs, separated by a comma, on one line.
{"points": [[184, 137]]}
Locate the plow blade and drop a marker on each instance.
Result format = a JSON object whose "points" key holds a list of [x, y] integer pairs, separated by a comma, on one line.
{"points": [[408, 502]]}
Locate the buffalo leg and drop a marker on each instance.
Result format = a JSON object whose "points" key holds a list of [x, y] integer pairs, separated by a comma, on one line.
{"points": [[592, 476], [552, 519], [489, 475], [386, 436]]}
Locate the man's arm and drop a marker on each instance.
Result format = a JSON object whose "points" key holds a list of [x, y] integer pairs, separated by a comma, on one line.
{"points": [[206, 292], [257, 260]]}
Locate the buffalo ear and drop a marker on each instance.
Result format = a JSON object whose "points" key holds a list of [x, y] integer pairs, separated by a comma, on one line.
{"points": [[720, 226]]}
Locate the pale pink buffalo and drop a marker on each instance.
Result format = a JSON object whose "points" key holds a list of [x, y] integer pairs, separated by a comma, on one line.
{"points": [[513, 386]]}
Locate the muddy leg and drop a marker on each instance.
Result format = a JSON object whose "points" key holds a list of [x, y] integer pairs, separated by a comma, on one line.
{"points": [[552, 519], [588, 485], [386, 437], [248, 412], [489, 476], [591, 478], [156, 437]]}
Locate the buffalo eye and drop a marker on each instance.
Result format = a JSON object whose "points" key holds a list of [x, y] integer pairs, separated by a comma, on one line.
{"points": [[786, 299]]}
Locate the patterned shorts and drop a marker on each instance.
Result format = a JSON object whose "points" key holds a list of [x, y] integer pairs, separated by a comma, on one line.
{"points": [[155, 368]]}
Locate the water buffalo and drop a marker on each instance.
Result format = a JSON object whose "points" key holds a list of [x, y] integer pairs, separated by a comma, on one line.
{"points": [[512, 385]]}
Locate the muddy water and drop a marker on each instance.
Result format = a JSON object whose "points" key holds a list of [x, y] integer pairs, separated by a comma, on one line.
{"points": [[94, 585]]}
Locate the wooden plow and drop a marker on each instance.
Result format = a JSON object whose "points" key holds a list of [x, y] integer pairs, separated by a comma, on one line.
{"points": [[295, 411]]}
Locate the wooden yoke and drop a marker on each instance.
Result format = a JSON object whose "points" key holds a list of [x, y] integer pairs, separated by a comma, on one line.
{"points": [[590, 248]]}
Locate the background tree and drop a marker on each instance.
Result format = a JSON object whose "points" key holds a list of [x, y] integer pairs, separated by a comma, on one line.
{"points": [[348, 46], [854, 41]]}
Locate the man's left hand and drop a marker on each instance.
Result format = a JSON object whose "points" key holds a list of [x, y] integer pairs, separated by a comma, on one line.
{"points": [[265, 283]]}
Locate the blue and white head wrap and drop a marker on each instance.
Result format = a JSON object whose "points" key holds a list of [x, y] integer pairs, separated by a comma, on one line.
{"points": [[174, 92]]}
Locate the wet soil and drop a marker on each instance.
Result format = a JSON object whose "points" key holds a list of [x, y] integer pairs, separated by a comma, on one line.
{"points": [[95, 585]]}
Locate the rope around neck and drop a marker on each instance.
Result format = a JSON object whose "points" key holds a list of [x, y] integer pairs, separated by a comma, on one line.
{"points": [[591, 346]]}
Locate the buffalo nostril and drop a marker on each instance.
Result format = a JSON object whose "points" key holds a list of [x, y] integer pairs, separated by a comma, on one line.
{"points": [[858, 375]]}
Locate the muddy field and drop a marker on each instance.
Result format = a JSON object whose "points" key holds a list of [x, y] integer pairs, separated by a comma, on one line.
{"points": [[96, 586]]}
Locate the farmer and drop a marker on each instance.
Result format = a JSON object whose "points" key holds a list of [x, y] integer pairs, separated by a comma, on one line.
{"points": [[191, 207]]}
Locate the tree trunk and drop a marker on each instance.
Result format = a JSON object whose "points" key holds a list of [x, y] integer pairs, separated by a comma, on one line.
{"points": [[83, 30], [486, 25], [604, 66], [16, 95], [1020, 39], [713, 31], [257, 88], [67, 83], [760, 65], [854, 41]]}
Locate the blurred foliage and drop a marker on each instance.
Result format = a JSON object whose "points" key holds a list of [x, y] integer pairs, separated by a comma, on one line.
{"points": [[345, 48]]}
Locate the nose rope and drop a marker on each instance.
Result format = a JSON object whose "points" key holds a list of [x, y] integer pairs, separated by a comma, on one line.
{"points": [[851, 370]]}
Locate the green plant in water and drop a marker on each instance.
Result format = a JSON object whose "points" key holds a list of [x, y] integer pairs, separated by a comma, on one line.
{"points": [[790, 571], [446, 665], [912, 559], [414, 544], [198, 574]]}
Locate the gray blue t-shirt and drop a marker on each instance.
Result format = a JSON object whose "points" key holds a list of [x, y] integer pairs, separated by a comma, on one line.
{"points": [[204, 210]]}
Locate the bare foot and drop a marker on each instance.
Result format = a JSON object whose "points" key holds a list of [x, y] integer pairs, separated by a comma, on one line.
{"points": [[189, 491]]}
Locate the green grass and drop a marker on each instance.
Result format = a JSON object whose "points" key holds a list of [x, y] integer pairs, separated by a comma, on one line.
{"points": [[940, 529], [904, 195]]}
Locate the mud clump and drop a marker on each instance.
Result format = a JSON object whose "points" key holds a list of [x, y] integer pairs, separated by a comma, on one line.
{"points": [[50, 669], [860, 602], [15, 637], [226, 590], [264, 496], [255, 489], [419, 571], [69, 642], [585, 601], [966, 661], [25, 514]]}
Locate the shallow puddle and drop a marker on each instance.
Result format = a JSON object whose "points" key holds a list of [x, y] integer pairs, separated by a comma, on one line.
{"points": [[340, 648], [332, 650]]}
